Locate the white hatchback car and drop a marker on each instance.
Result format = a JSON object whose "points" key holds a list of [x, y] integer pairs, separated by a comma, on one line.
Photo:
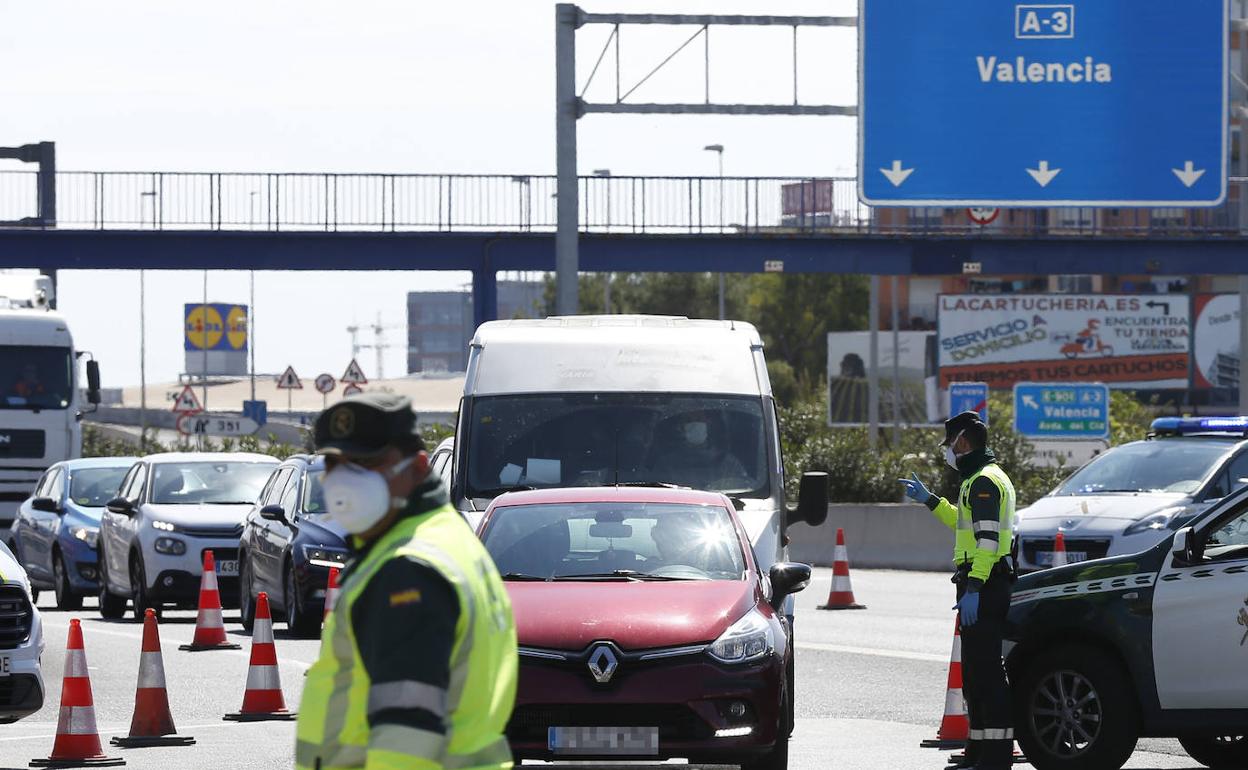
{"points": [[21, 643], [170, 509]]}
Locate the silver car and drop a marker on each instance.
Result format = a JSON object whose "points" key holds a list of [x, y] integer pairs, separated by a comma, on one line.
{"points": [[170, 510]]}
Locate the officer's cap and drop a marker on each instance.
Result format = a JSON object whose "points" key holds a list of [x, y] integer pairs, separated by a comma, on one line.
{"points": [[969, 423], [366, 424]]}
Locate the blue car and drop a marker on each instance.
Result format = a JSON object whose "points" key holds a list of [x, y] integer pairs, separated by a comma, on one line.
{"points": [[56, 533]]}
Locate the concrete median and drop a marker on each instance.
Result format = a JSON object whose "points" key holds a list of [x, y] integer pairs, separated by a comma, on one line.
{"points": [[877, 535]]}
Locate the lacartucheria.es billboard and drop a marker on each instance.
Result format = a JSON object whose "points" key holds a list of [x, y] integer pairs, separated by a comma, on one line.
{"points": [[1123, 340]]}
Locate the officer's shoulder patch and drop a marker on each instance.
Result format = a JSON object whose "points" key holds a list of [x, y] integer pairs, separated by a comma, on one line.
{"points": [[407, 596]]}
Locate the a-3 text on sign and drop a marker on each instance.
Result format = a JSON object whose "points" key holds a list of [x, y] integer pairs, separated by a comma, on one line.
{"points": [[969, 397], [988, 103], [1127, 340], [1061, 411]]}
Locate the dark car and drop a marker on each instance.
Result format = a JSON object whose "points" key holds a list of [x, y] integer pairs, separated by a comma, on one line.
{"points": [[646, 630], [288, 548]]}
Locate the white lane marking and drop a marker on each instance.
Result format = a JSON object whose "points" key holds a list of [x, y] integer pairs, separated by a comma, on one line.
{"points": [[182, 730], [902, 654]]}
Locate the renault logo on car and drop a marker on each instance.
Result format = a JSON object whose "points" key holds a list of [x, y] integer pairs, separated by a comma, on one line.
{"points": [[603, 663]]}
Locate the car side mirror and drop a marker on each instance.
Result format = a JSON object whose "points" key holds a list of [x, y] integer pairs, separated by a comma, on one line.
{"points": [[93, 382], [787, 578], [273, 513], [1181, 548], [120, 505], [45, 504], [812, 499]]}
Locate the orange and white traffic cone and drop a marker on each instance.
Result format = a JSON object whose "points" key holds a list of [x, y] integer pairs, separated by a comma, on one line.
{"points": [[841, 597], [152, 724], [77, 739], [209, 625], [954, 726], [1059, 551], [331, 593], [263, 699]]}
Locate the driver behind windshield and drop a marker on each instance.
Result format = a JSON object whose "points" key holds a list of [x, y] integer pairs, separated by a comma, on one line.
{"points": [[696, 454]]}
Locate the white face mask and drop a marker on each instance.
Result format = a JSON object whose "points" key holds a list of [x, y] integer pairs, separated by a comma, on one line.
{"points": [[695, 433], [950, 458], [358, 498]]}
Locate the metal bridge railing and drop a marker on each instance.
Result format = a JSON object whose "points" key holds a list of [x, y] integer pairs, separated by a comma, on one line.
{"points": [[526, 203]]}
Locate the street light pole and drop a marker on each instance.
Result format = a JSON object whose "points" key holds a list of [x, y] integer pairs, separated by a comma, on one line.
{"points": [[143, 328], [251, 309], [718, 149], [606, 284]]}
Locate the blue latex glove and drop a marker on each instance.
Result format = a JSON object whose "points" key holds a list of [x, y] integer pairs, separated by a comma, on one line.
{"points": [[915, 489], [968, 606]]}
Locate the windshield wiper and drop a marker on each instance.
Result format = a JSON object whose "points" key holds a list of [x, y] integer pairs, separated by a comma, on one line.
{"points": [[626, 574], [496, 491], [658, 484], [520, 576]]}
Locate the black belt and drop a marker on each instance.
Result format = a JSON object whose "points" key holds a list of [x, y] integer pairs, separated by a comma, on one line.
{"points": [[1004, 568]]}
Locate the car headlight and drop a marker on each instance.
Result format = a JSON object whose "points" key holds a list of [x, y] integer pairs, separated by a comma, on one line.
{"points": [[88, 535], [170, 546], [325, 557], [164, 526], [750, 638], [1153, 522]]}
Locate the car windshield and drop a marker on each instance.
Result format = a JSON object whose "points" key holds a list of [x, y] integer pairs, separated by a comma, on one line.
{"points": [[208, 482], [614, 540], [1163, 465], [93, 487], [35, 377], [314, 494], [717, 443]]}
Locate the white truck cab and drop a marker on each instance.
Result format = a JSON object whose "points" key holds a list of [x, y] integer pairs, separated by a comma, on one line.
{"points": [[628, 400], [40, 402]]}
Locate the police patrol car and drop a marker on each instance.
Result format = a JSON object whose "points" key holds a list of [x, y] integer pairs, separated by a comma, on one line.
{"points": [[1131, 497], [1152, 644]]}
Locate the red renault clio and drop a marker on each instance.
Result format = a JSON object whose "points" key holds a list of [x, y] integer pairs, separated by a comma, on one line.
{"points": [[646, 630]]}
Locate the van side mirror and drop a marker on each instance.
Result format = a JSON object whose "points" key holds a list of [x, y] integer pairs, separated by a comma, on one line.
{"points": [[46, 505], [787, 578], [120, 505], [1181, 549], [812, 499], [93, 382], [273, 513]]}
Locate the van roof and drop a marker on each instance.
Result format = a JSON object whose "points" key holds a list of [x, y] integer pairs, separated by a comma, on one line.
{"points": [[618, 353]]}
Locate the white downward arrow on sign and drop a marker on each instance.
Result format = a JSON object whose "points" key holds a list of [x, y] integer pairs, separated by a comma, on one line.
{"points": [[897, 174], [1188, 175], [1044, 174]]}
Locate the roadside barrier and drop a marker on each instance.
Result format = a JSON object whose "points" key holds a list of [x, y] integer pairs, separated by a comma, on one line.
{"points": [[209, 626], [77, 739], [152, 724], [331, 593], [954, 725], [262, 700], [1059, 551], [841, 597]]}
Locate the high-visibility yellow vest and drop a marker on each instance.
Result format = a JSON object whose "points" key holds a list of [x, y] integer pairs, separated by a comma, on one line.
{"points": [[333, 730], [970, 545]]}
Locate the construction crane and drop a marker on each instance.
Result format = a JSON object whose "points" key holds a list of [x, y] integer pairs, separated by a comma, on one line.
{"points": [[379, 344]]}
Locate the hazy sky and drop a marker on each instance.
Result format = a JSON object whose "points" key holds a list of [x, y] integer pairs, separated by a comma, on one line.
{"points": [[375, 86]]}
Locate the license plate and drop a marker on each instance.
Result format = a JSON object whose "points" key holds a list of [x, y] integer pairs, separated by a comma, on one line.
{"points": [[6, 665], [227, 568], [1046, 557], [598, 741]]}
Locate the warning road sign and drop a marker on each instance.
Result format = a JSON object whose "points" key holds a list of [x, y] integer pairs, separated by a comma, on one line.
{"points": [[186, 402], [325, 383], [289, 380], [354, 374]]}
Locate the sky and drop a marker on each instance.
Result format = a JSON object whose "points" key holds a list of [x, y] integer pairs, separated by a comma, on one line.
{"points": [[377, 86]]}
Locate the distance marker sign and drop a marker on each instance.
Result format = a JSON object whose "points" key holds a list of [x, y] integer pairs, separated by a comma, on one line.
{"points": [[1093, 103]]}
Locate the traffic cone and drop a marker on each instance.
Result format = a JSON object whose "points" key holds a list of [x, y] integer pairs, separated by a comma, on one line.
{"points": [[331, 593], [841, 596], [209, 627], [263, 699], [954, 726], [1059, 551], [77, 740], [152, 724]]}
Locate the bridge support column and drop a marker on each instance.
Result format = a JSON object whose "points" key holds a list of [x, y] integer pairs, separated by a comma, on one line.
{"points": [[484, 295]]}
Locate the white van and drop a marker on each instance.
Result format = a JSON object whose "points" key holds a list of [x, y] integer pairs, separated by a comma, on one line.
{"points": [[636, 400]]}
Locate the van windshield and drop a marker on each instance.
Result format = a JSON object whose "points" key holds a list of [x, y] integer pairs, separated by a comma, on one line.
{"points": [[35, 377], [711, 442]]}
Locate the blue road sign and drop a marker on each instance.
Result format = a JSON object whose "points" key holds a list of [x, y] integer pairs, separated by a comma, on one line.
{"points": [[1061, 411], [969, 397], [1094, 103]]}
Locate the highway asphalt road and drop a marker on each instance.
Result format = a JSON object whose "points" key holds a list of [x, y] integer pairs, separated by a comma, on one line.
{"points": [[870, 685]]}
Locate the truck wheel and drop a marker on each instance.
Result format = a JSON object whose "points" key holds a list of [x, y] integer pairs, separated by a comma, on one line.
{"points": [[1074, 710], [1221, 753]]}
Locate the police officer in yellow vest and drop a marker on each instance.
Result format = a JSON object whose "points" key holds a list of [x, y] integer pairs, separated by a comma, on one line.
{"points": [[983, 521], [417, 669]]}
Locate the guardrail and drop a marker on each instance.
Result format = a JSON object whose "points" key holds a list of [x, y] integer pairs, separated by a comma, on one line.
{"points": [[109, 200]]}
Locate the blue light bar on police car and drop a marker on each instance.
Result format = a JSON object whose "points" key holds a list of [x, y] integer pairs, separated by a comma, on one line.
{"points": [[1182, 425]]}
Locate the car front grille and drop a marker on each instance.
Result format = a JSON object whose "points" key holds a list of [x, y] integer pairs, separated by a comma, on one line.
{"points": [[22, 443], [1095, 548], [16, 617], [675, 722], [217, 533], [16, 690]]}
